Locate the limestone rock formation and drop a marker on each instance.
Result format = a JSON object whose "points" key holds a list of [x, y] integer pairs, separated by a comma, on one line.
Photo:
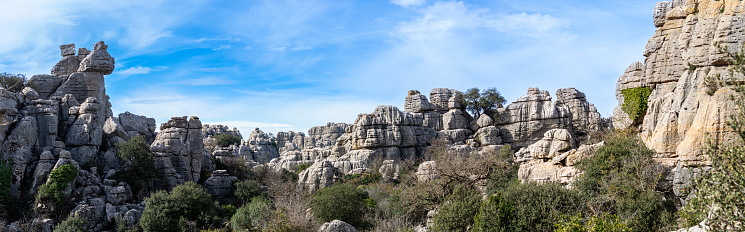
{"points": [[220, 185], [319, 175], [678, 58], [389, 171], [336, 226], [212, 130], [526, 120], [386, 133], [178, 151], [426, 171], [262, 146]]}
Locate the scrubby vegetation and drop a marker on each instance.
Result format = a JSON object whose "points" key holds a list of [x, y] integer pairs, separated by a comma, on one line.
{"points": [[140, 164], [14, 82], [186, 207], [635, 101], [225, 140], [343, 202], [52, 192]]}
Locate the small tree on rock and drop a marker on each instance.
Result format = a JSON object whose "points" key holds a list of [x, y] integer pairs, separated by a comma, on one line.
{"points": [[485, 101]]}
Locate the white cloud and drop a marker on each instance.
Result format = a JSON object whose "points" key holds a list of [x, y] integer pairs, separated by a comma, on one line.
{"points": [[226, 39], [224, 46], [447, 19], [139, 70], [408, 3]]}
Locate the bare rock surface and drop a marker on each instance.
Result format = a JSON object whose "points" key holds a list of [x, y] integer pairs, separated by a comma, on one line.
{"points": [[336, 226]]}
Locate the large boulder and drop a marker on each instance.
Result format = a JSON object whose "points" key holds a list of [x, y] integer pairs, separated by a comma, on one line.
{"points": [[336, 226], [526, 120], [319, 175]]}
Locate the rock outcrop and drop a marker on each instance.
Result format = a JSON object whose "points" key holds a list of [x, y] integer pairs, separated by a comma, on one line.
{"points": [[678, 58], [178, 151], [336, 226], [319, 175], [212, 130]]}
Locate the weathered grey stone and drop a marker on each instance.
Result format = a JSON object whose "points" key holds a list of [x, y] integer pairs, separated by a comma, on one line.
{"points": [[319, 175], [42, 225], [526, 120], [337, 226], [67, 50], [389, 171], [554, 142], [427, 171], [488, 136], [212, 130], [45, 85], [19, 145], [98, 61], [117, 195], [440, 97], [220, 185], [46, 163], [178, 151]]}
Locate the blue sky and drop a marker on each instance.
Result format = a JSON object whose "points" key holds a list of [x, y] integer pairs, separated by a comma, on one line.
{"points": [[291, 64]]}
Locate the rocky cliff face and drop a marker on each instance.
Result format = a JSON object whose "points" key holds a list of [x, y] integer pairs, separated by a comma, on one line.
{"points": [[678, 58], [682, 111]]}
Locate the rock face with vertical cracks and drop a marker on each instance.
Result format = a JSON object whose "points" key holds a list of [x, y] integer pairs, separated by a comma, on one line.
{"points": [[178, 151]]}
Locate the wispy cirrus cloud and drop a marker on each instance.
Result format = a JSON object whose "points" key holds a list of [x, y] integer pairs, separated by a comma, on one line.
{"points": [[139, 70]]}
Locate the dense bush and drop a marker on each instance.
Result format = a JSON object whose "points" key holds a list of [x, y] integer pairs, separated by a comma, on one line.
{"points": [[458, 211], [495, 215], [248, 189], [14, 82], [537, 206], [140, 163], [254, 216], [341, 202], [482, 102], [71, 224], [171, 211], [607, 223], [635, 101], [225, 140], [621, 178], [52, 191]]}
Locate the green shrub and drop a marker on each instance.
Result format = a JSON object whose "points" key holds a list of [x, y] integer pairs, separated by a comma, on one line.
{"points": [[141, 163], [71, 224], [458, 211], [485, 101], [622, 178], [300, 168], [341, 202], [495, 215], [52, 191], [247, 190], [14, 82], [166, 211], [225, 140], [607, 223], [253, 216], [635, 101], [506, 172], [537, 206]]}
